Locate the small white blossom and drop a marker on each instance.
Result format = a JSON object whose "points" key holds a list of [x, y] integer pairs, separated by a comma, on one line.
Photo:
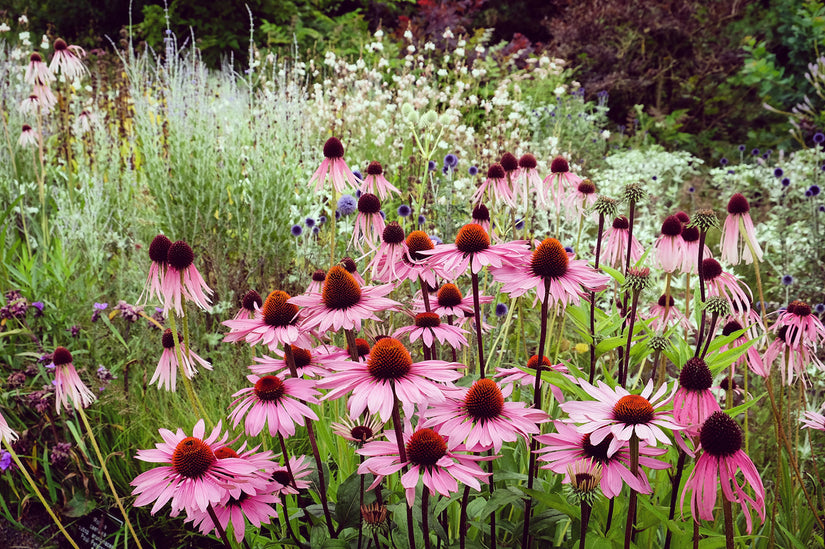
{"points": [[559, 91], [411, 48], [429, 46], [379, 34], [408, 34], [4, 27], [447, 34], [23, 20]]}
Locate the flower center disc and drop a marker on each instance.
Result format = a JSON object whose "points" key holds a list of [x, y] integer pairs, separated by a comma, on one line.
{"points": [[418, 241], [633, 410], [695, 375], [361, 346], [621, 223], [301, 356], [277, 312], [192, 457], [369, 204], [509, 162], [549, 260], [534, 361], [496, 171], [333, 148], [282, 477], [159, 248], [389, 359], [361, 433], [269, 388], [484, 400], [251, 300], [799, 308], [226, 452], [527, 161], [559, 165], [449, 296], [341, 290], [319, 275], [61, 356], [481, 213], [738, 204], [472, 238], [375, 168], [711, 269], [393, 233], [427, 320], [180, 255], [720, 435], [599, 451], [168, 339], [426, 447]]}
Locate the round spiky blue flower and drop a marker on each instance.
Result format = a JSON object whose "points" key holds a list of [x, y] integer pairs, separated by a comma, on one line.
{"points": [[404, 210], [297, 230], [501, 310], [787, 280], [473, 170], [347, 205]]}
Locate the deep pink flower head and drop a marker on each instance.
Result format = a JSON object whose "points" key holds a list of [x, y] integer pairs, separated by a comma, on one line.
{"points": [[376, 183], [182, 280], [334, 165], [274, 324], [472, 249], [158, 250], [69, 389], [693, 402], [669, 247]]}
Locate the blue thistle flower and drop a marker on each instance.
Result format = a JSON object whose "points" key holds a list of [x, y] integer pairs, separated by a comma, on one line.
{"points": [[404, 210], [501, 310], [297, 230], [787, 280], [474, 170], [346, 205]]}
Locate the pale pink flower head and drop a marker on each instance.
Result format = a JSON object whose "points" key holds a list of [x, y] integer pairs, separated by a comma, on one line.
{"points": [[182, 280], [352, 268], [257, 509], [376, 183], [37, 72], [529, 175], [250, 302], [568, 445], [428, 328], [369, 225], [276, 323], [793, 359], [481, 216], [814, 420], [450, 302], [581, 198], [738, 231], [560, 182], [69, 390], [308, 363], [694, 402], [431, 457], [45, 96], [275, 402], [30, 105], [656, 315], [509, 162], [158, 252], [616, 240], [690, 241], [482, 418], [343, 303], [6, 433], [804, 328], [389, 372], [551, 271], [721, 440], [388, 259], [333, 165], [192, 477], [166, 373], [496, 184], [29, 137], [622, 414], [316, 281], [66, 60], [472, 249], [357, 431], [289, 480], [721, 283], [669, 249]]}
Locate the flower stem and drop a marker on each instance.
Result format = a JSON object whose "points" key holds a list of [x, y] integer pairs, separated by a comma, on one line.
{"points": [[674, 493], [218, 527], [492, 485], [462, 521], [728, 512], [351, 343], [425, 295], [631, 506], [190, 391], [479, 340], [585, 520], [108, 477], [623, 371], [39, 494], [322, 489], [425, 520], [711, 330], [632, 214], [593, 304], [402, 455]]}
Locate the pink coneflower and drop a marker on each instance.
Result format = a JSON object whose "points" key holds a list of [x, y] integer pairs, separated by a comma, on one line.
{"points": [[362, 349], [792, 359], [724, 284], [416, 265], [6, 433], [193, 478], [721, 440], [349, 264], [615, 244], [530, 176], [656, 315], [45, 97], [550, 271], [738, 231], [471, 249], [431, 457], [158, 252], [376, 183], [814, 420], [617, 412], [428, 328], [690, 241], [803, 327], [250, 302], [481, 216], [317, 281], [560, 181], [752, 357], [67, 384], [568, 445], [275, 402], [359, 431], [581, 199], [369, 225], [166, 373], [287, 480], [257, 509], [66, 60], [28, 137], [496, 182], [37, 72], [693, 402], [511, 170], [182, 280], [390, 254], [388, 372], [30, 105], [481, 418], [343, 303], [276, 323], [450, 302], [334, 165], [669, 251], [308, 363], [528, 378]]}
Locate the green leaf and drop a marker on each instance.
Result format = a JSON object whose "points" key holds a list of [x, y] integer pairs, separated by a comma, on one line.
{"points": [[79, 505], [347, 507]]}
